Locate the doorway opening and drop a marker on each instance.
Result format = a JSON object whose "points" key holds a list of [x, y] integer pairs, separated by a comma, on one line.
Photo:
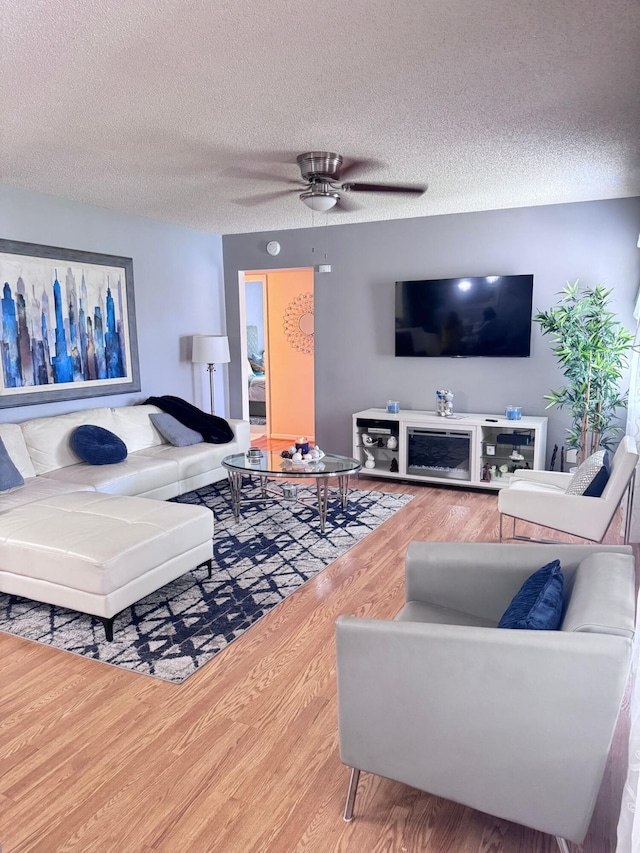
{"points": [[277, 324]]}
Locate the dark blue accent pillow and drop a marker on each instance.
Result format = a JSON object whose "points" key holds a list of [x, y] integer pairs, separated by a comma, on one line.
{"points": [[10, 477], [98, 446], [538, 603], [596, 486]]}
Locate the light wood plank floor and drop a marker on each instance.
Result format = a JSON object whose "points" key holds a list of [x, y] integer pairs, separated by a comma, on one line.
{"points": [[243, 756]]}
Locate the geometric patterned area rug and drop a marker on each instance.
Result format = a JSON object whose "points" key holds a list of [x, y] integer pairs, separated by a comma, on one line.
{"points": [[258, 561]]}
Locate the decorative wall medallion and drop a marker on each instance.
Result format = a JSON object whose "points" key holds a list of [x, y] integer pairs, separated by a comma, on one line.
{"points": [[298, 323]]}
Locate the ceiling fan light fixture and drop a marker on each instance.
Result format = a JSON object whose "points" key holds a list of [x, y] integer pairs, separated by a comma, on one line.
{"points": [[320, 201]]}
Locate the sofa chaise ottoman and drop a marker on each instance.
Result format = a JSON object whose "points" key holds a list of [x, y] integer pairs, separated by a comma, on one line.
{"points": [[88, 537], [100, 553]]}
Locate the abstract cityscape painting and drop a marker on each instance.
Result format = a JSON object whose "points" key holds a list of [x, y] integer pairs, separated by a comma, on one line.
{"points": [[68, 324]]}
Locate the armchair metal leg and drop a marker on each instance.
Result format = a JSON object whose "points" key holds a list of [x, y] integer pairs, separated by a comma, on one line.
{"points": [[351, 794], [629, 509], [562, 844]]}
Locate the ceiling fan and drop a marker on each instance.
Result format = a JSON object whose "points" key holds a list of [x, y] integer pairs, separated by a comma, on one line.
{"points": [[323, 182], [321, 170]]}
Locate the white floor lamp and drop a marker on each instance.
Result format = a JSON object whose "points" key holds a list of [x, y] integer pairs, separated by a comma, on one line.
{"points": [[210, 350]]}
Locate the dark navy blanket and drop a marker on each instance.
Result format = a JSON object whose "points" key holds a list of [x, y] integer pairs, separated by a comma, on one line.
{"points": [[215, 430]]}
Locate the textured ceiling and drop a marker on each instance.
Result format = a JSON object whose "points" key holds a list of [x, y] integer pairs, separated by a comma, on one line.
{"points": [[180, 110]]}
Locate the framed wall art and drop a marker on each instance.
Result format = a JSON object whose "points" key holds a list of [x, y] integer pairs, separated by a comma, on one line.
{"points": [[68, 325]]}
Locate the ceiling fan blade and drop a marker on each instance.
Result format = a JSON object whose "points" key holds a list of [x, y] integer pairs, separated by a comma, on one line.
{"points": [[262, 198], [383, 188], [252, 175], [349, 166]]}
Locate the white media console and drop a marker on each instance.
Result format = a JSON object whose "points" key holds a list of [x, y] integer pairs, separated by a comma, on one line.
{"points": [[464, 450]]}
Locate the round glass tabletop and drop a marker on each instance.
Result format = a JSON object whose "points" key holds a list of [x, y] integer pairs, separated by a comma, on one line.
{"points": [[271, 464]]}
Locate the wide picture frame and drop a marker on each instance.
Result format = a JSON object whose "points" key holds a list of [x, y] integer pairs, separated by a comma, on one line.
{"points": [[68, 325]]}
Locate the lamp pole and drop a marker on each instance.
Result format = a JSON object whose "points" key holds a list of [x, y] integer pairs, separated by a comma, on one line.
{"points": [[212, 369]]}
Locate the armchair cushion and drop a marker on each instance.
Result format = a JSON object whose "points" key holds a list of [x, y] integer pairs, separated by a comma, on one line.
{"points": [[592, 476], [538, 603]]}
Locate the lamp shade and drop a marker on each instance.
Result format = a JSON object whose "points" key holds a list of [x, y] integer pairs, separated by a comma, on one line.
{"points": [[320, 201], [210, 349]]}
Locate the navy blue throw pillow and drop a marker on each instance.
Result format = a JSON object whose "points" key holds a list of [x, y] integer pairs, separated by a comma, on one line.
{"points": [[98, 446], [538, 603]]}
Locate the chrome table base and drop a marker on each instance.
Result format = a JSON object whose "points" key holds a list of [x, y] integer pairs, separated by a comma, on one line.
{"points": [[289, 492]]}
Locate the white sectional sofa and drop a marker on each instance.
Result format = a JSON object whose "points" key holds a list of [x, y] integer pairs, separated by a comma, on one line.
{"points": [[88, 537], [41, 450]]}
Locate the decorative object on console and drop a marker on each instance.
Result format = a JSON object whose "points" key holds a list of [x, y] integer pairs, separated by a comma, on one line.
{"points": [[592, 348], [91, 348], [444, 403], [513, 413], [210, 350], [370, 461], [393, 407], [392, 442], [393, 468], [98, 446], [367, 439], [176, 433]]}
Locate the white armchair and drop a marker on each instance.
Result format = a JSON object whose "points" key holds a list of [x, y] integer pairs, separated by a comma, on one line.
{"points": [[515, 723], [540, 498]]}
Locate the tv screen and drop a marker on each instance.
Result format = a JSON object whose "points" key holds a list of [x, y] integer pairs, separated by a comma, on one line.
{"points": [[458, 317]]}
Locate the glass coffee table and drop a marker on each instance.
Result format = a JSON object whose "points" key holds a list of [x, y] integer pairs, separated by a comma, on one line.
{"points": [[269, 465]]}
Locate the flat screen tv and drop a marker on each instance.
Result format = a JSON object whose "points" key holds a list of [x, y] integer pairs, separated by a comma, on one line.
{"points": [[461, 317]]}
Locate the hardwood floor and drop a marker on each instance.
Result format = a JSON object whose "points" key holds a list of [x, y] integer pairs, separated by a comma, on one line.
{"points": [[242, 757]]}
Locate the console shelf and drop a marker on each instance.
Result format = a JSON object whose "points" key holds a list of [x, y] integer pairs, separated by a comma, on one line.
{"points": [[464, 450]]}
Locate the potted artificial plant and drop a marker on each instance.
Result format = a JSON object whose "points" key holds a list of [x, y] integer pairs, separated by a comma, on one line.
{"points": [[593, 349]]}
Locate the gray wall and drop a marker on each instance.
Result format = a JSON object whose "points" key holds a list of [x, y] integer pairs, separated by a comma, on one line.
{"points": [[178, 290], [354, 304]]}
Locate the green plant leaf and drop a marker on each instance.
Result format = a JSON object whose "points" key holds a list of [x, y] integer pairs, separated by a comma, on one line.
{"points": [[592, 348]]}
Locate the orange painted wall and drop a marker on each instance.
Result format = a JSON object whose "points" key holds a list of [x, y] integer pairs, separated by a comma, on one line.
{"points": [[291, 386]]}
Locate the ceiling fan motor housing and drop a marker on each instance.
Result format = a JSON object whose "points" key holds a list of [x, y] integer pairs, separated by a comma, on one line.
{"points": [[319, 163]]}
